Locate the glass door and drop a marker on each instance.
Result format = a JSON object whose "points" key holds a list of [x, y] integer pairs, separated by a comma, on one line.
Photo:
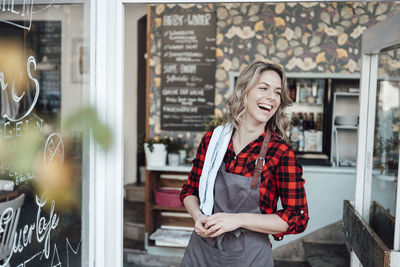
{"points": [[44, 78], [385, 167], [377, 190], [387, 131]]}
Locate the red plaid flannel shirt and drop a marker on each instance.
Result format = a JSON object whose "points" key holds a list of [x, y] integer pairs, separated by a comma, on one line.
{"points": [[281, 177]]}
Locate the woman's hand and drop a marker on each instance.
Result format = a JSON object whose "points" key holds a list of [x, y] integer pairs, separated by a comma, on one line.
{"points": [[220, 223], [199, 225]]}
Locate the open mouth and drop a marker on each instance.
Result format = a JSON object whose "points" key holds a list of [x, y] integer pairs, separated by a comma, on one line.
{"points": [[265, 107]]}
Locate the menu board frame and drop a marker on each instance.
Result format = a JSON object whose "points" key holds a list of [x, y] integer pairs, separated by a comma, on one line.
{"points": [[188, 70]]}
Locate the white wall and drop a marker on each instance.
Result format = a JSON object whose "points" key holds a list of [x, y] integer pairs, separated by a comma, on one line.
{"points": [[133, 12], [326, 189]]}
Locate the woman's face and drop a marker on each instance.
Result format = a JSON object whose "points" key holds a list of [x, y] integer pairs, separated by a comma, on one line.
{"points": [[264, 98]]}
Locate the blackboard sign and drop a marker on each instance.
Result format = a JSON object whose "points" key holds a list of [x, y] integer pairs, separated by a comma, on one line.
{"points": [[188, 70]]}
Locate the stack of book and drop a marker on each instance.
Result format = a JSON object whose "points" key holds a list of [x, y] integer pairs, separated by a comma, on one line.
{"points": [[172, 235]]}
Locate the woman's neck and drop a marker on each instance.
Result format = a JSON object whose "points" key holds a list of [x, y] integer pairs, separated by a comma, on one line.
{"points": [[249, 126], [246, 133]]}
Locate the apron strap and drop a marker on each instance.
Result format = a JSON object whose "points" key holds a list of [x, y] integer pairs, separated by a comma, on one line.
{"points": [[260, 161]]}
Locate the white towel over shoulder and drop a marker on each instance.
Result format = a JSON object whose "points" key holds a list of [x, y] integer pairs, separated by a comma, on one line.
{"points": [[214, 156]]}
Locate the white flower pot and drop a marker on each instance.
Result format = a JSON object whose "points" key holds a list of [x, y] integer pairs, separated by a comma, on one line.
{"points": [[173, 159], [158, 157], [182, 156]]}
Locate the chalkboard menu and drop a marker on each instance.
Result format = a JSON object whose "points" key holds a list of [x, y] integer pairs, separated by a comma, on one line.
{"points": [[188, 70], [45, 38], [48, 40]]}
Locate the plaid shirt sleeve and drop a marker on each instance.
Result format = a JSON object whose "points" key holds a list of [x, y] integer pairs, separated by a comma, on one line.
{"points": [[192, 185], [290, 186]]}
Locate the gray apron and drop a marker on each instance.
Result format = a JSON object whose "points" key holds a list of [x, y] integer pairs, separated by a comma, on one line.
{"points": [[233, 194]]}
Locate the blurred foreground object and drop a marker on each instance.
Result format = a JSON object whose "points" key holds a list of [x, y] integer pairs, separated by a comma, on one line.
{"points": [[53, 160]]}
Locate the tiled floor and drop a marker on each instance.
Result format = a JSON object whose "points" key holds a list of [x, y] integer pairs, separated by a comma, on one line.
{"points": [[277, 264], [135, 265]]}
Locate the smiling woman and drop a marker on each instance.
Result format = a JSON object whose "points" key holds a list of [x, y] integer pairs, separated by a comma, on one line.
{"points": [[240, 171], [264, 95], [264, 76]]}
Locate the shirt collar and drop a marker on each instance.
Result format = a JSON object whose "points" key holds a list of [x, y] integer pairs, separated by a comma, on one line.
{"points": [[259, 139]]}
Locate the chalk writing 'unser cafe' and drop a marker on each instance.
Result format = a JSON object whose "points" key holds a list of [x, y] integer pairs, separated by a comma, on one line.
{"points": [[42, 227]]}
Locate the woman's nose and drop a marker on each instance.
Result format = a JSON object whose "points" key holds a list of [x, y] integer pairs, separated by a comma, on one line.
{"points": [[269, 94]]}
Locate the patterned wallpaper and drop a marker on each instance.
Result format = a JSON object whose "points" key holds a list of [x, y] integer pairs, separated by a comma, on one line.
{"points": [[303, 37]]}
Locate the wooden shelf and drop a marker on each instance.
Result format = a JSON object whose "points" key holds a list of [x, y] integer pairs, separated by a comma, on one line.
{"points": [[167, 168], [346, 94], [159, 215], [308, 104], [164, 208], [346, 127], [173, 247]]}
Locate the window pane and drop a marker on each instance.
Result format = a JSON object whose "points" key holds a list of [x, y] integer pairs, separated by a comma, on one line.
{"points": [[44, 77], [387, 128]]}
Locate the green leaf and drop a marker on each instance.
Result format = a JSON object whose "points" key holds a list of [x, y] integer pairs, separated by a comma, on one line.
{"points": [[87, 120]]}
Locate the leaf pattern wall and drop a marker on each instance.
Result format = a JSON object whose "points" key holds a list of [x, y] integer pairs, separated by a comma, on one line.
{"points": [[303, 37]]}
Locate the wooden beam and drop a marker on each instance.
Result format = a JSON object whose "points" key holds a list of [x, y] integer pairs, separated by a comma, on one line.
{"points": [[148, 56], [382, 222], [359, 236]]}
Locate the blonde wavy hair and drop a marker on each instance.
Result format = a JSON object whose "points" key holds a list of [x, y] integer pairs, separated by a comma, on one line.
{"points": [[236, 104]]}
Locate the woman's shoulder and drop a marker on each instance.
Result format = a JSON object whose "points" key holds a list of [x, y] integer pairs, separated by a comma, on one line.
{"points": [[279, 140], [222, 129], [205, 140], [207, 135], [281, 145]]}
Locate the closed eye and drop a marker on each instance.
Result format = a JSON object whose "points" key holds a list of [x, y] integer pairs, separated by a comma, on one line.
{"points": [[278, 92]]}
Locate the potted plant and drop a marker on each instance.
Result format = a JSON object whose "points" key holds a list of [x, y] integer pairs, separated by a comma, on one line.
{"points": [[155, 150], [386, 151], [392, 156], [215, 122], [182, 151], [173, 148]]}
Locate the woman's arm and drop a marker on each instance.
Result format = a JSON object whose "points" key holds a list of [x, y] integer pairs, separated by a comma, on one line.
{"points": [[292, 219], [264, 223], [290, 185], [220, 223], [192, 206], [190, 190]]}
